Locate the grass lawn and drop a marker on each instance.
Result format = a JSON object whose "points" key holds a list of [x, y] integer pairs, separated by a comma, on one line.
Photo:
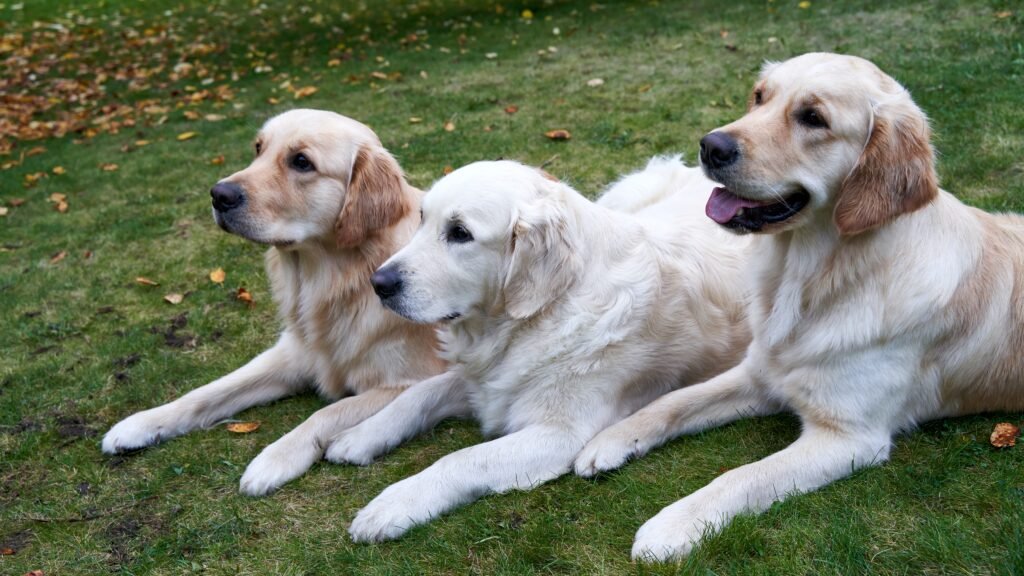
{"points": [[85, 345]]}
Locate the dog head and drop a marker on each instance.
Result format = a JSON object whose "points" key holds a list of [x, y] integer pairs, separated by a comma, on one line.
{"points": [[317, 177], [495, 238], [823, 132]]}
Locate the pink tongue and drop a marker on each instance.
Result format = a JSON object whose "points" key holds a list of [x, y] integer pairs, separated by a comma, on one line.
{"points": [[723, 205]]}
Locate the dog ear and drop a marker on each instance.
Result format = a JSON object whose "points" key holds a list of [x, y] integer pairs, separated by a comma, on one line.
{"points": [[543, 263], [895, 173], [374, 199]]}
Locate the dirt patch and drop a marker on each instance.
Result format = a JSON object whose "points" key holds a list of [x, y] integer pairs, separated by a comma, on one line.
{"points": [[74, 427], [174, 336], [16, 541], [127, 361], [25, 425]]}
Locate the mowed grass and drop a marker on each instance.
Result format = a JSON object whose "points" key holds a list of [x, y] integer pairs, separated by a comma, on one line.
{"points": [[84, 345]]}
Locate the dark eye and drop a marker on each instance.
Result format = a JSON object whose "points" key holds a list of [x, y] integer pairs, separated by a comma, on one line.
{"points": [[459, 235], [758, 97], [259, 148], [809, 117], [301, 163]]}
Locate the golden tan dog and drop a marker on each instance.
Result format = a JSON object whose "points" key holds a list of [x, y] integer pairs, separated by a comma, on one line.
{"points": [[333, 205], [881, 301]]}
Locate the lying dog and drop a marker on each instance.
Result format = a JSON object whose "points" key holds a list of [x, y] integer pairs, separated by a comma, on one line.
{"points": [[563, 317], [332, 204], [880, 302]]}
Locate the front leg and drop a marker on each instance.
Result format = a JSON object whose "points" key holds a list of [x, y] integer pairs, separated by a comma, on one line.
{"points": [[418, 409], [817, 458], [521, 460], [726, 397], [276, 373], [296, 451]]}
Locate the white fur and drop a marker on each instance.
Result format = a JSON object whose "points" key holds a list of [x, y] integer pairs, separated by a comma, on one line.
{"points": [[571, 316], [862, 336]]}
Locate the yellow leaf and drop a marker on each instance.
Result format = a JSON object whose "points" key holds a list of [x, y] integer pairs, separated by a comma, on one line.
{"points": [[58, 170], [213, 117], [146, 281], [449, 126], [191, 114], [217, 160], [186, 136], [243, 427], [217, 276], [333, 62], [108, 167], [58, 197], [527, 14], [804, 5], [141, 143], [306, 91], [174, 298]]}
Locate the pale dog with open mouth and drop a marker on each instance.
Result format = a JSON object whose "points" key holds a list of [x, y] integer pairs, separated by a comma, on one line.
{"points": [[333, 204], [563, 316], [880, 300]]}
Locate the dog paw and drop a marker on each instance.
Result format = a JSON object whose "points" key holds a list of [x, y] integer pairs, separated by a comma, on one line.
{"points": [[606, 451], [355, 447], [278, 464], [389, 515], [136, 431], [670, 535]]}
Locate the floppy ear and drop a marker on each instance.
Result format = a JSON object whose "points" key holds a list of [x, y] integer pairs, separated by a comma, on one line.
{"points": [[895, 174], [543, 263], [374, 199]]}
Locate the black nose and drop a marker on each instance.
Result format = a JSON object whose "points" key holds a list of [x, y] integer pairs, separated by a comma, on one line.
{"points": [[387, 282], [227, 195], [718, 150]]}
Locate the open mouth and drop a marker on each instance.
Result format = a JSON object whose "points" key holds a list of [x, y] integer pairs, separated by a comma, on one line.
{"points": [[735, 212]]}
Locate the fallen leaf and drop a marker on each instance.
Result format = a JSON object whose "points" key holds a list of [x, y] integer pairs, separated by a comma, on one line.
{"points": [[511, 109], [333, 63], [15, 202], [306, 91], [1004, 14], [449, 126], [448, 169], [595, 82], [644, 88], [141, 143], [217, 160], [491, 55], [58, 197], [558, 134], [146, 281], [58, 256], [35, 151], [527, 14], [6, 551], [243, 427], [245, 296], [186, 136], [4, 210], [804, 5], [379, 75], [415, 120], [108, 167], [174, 298], [191, 114], [1004, 435], [217, 276], [214, 117], [58, 170], [87, 254]]}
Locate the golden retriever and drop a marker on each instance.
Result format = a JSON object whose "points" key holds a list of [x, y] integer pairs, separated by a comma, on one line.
{"points": [[332, 204], [881, 301], [563, 316]]}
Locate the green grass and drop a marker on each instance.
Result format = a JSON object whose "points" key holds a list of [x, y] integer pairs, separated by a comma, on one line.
{"points": [[84, 345]]}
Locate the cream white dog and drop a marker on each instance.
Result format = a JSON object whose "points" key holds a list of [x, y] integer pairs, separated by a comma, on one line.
{"points": [[563, 317], [333, 205], [881, 301]]}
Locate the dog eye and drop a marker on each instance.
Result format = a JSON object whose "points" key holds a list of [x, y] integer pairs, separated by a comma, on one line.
{"points": [[259, 148], [809, 117], [459, 235], [301, 163], [758, 97]]}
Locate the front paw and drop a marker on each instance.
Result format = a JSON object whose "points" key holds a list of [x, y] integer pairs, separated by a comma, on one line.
{"points": [[353, 446], [278, 464], [606, 451], [390, 515], [668, 536], [139, 430]]}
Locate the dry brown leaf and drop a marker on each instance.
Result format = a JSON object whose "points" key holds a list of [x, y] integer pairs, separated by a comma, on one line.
{"points": [[191, 114], [15, 202], [6, 551], [379, 75], [448, 169], [146, 281], [558, 134], [108, 167], [217, 160], [333, 63], [58, 170], [217, 276], [1004, 14], [243, 427], [306, 91], [173, 298], [1004, 435], [449, 126], [58, 256], [511, 109], [245, 296], [214, 117], [35, 151]]}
